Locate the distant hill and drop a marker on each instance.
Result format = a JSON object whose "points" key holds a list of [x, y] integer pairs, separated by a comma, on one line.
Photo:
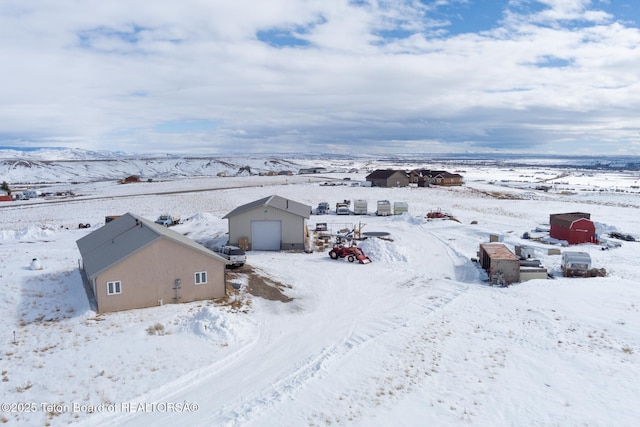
{"points": [[32, 171], [64, 165]]}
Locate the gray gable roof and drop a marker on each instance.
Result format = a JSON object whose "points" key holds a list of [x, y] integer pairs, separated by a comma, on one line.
{"points": [[276, 202], [384, 173], [124, 236], [432, 173], [566, 219]]}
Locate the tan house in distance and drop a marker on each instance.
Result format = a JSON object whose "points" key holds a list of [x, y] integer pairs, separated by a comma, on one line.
{"points": [[388, 178], [426, 177], [132, 262]]}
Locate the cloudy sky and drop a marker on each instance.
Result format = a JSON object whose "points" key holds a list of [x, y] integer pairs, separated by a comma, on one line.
{"points": [[321, 76]]}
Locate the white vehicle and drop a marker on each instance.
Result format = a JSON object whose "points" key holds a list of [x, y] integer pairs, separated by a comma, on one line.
{"points": [[168, 220], [30, 194], [360, 207], [384, 208], [235, 256], [400, 208], [575, 264], [342, 209]]}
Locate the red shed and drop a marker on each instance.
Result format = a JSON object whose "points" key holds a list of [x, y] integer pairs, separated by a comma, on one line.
{"points": [[574, 227]]}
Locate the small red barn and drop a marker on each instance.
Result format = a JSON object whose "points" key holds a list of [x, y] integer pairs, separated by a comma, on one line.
{"points": [[574, 227]]}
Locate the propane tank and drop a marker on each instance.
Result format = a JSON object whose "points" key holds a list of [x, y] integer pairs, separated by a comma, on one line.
{"points": [[35, 264]]}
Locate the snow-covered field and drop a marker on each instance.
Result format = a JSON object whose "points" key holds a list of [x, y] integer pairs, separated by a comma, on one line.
{"points": [[417, 337]]}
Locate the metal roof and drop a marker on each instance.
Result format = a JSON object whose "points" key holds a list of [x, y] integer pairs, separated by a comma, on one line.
{"points": [[498, 251], [433, 173], [116, 240], [577, 257], [384, 173], [276, 202], [566, 219]]}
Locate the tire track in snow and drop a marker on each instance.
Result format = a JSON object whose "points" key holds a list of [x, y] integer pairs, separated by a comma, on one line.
{"points": [[366, 332], [465, 271], [403, 361], [170, 390]]}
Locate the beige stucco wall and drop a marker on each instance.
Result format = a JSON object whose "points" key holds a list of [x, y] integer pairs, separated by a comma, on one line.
{"points": [[397, 180], [292, 229], [448, 181], [148, 277]]}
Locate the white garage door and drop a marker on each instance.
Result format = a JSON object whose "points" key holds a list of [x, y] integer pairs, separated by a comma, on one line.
{"points": [[265, 235]]}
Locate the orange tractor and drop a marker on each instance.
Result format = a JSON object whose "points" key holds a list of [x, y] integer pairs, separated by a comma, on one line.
{"points": [[351, 253]]}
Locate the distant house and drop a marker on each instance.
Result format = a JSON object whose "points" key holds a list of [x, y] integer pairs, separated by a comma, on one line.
{"points": [[132, 262], [270, 224], [312, 170], [5, 197], [388, 178], [574, 227], [427, 177]]}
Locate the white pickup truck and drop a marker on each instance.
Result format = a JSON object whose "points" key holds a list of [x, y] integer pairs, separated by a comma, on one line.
{"points": [[168, 220]]}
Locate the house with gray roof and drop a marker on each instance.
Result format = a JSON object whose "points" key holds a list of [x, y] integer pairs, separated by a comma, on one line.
{"points": [[131, 262], [388, 178], [428, 177], [272, 223]]}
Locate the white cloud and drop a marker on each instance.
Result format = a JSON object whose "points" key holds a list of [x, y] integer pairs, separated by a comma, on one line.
{"points": [[104, 75]]}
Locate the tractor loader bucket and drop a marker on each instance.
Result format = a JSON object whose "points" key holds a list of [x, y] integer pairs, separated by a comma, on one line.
{"points": [[364, 259]]}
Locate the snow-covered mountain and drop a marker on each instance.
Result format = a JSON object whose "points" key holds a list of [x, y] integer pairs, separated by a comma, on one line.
{"points": [[23, 171], [63, 165]]}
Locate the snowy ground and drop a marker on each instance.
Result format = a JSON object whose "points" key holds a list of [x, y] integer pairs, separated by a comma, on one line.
{"points": [[415, 338]]}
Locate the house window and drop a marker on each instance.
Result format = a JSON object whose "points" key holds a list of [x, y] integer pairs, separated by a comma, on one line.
{"points": [[201, 278], [114, 288]]}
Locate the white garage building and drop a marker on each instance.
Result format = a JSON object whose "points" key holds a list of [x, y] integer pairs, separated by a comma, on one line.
{"points": [[270, 224]]}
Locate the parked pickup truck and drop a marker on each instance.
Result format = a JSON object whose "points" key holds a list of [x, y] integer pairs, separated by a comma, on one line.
{"points": [[168, 220], [323, 208], [342, 209], [234, 255]]}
